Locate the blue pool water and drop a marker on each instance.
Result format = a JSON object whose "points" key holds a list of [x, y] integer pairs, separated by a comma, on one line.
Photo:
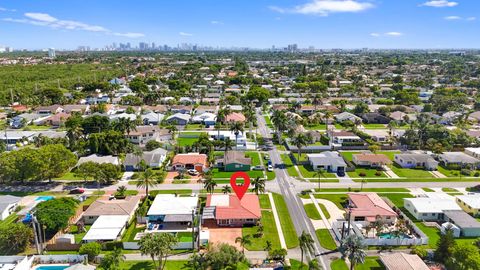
{"points": [[52, 267], [392, 236], [44, 198]]}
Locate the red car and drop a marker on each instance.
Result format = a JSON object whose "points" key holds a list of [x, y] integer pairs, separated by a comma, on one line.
{"points": [[77, 191]]}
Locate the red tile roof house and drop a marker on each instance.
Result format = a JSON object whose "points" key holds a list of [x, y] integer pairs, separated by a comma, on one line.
{"points": [[235, 117], [229, 211], [189, 161], [367, 206]]}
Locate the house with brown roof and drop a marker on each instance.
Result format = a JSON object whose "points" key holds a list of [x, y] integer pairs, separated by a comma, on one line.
{"points": [[228, 210], [368, 207], [235, 117], [58, 119], [402, 261], [127, 206], [371, 160], [189, 161]]}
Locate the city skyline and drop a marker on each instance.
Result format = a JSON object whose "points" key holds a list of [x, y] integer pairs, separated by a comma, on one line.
{"points": [[323, 24]]}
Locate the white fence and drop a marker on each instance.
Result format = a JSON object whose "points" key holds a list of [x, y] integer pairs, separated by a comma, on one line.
{"points": [[180, 245]]}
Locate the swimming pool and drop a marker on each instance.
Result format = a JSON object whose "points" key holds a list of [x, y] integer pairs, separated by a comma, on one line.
{"points": [[393, 236], [52, 267], [44, 198]]}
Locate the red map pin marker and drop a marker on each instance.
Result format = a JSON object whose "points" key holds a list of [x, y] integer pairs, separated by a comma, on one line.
{"points": [[241, 189]]}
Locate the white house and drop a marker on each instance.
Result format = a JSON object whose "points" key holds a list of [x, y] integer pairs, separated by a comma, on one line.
{"points": [[106, 228], [221, 135], [98, 159], [329, 161], [169, 213], [416, 161], [8, 203], [346, 116], [430, 208]]}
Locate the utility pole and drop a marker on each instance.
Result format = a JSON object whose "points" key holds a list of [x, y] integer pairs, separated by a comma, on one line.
{"points": [[35, 233], [193, 229]]}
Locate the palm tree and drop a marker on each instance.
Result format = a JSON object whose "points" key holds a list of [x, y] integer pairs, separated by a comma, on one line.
{"points": [[218, 127], [172, 129], [249, 112], [226, 189], [306, 244], [73, 134], [352, 248], [300, 140], [268, 246], [313, 265], [319, 174], [227, 145], [327, 116], [112, 260], [243, 241], [279, 121], [258, 185], [147, 180], [209, 184], [138, 153], [236, 128]]}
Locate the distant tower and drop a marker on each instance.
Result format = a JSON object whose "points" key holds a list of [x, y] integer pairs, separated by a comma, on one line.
{"points": [[51, 52]]}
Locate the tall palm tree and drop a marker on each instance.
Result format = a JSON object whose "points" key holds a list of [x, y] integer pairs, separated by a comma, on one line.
{"points": [[218, 127], [74, 133], [328, 115], [268, 246], [300, 140], [226, 189], [227, 145], [147, 180], [243, 241], [236, 128], [138, 153], [352, 248], [209, 184], [306, 244], [258, 185], [319, 174], [249, 112], [279, 121], [172, 129]]}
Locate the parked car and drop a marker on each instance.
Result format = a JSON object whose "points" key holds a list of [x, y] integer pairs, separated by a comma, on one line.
{"points": [[270, 168], [341, 173], [266, 157], [193, 172], [258, 168], [77, 190]]}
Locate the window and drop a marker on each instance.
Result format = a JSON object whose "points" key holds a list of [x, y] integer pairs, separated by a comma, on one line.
{"points": [[424, 214]]}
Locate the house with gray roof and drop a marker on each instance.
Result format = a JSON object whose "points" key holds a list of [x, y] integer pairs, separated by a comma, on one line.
{"points": [[330, 161], [179, 119], [8, 203], [98, 159], [469, 226], [412, 160], [153, 159], [458, 159]]}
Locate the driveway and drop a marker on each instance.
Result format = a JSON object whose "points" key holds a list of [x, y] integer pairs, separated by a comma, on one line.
{"points": [[225, 235]]}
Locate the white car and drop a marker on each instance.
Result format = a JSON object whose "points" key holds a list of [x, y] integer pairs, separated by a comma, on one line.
{"points": [[193, 172], [270, 168]]}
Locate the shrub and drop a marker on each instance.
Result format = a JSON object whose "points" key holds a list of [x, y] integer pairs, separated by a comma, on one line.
{"points": [[112, 245], [91, 250], [378, 173], [466, 172], [420, 252], [362, 174], [477, 174]]}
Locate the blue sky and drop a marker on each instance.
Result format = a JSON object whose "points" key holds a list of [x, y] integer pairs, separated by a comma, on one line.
{"points": [[36, 24]]}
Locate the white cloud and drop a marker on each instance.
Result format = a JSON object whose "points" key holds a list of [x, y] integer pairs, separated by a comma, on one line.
{"points": [[44, 19], [325, 7], [393, 34], [439, 3], [452, 18], [471, 18], [185, 34], [374, 34], [7, 9], [216, 22]]}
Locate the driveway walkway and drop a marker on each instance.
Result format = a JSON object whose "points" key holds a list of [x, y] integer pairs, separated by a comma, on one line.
{"points": [[277, 222], [390, 173]]}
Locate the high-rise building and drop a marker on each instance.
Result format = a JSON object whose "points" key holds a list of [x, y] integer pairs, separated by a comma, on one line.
{"points": [[153, 46], [51, 53]]}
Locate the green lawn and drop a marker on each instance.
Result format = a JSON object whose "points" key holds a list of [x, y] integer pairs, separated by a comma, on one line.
{"points": [[270, 233], [374, 126], [312, 211], [308, 172], [348, 155], [396, 198], [131, 231], [217, 174], [410, 173], [446, 189], [147, 265], [71, 176], [173, 191], [254, 156], [337, 199], [428, 189], [324, 210], [338, 264], [79, 235], [264, 201], [288, 229], [425, 179], [186, 141], [369, 173], [268, 121], [453, 172], [289, 165], [320, 127], [194, 127], [389, 154], [325, 239], [371, 263]]}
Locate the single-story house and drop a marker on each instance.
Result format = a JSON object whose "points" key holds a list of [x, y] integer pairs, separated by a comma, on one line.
{"points": [[328, 160], [416, 160], [98, 159], [171, 213], [346, 116], [458, 158], [469, 226], [188, 161], [209, 119], [235, 161], [402, 261], [206, 109], [473, 151], [8, 203], [430, 208], [228, 210], [343, 137], [375, 118], [368, 207], [235, 117], [182, 109], [469, 203], [153, 159], [106, 228], [98, 208], [58, 119], [371, 160], [378, 135], [152, 118], [46, 110], [179, 119]]}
